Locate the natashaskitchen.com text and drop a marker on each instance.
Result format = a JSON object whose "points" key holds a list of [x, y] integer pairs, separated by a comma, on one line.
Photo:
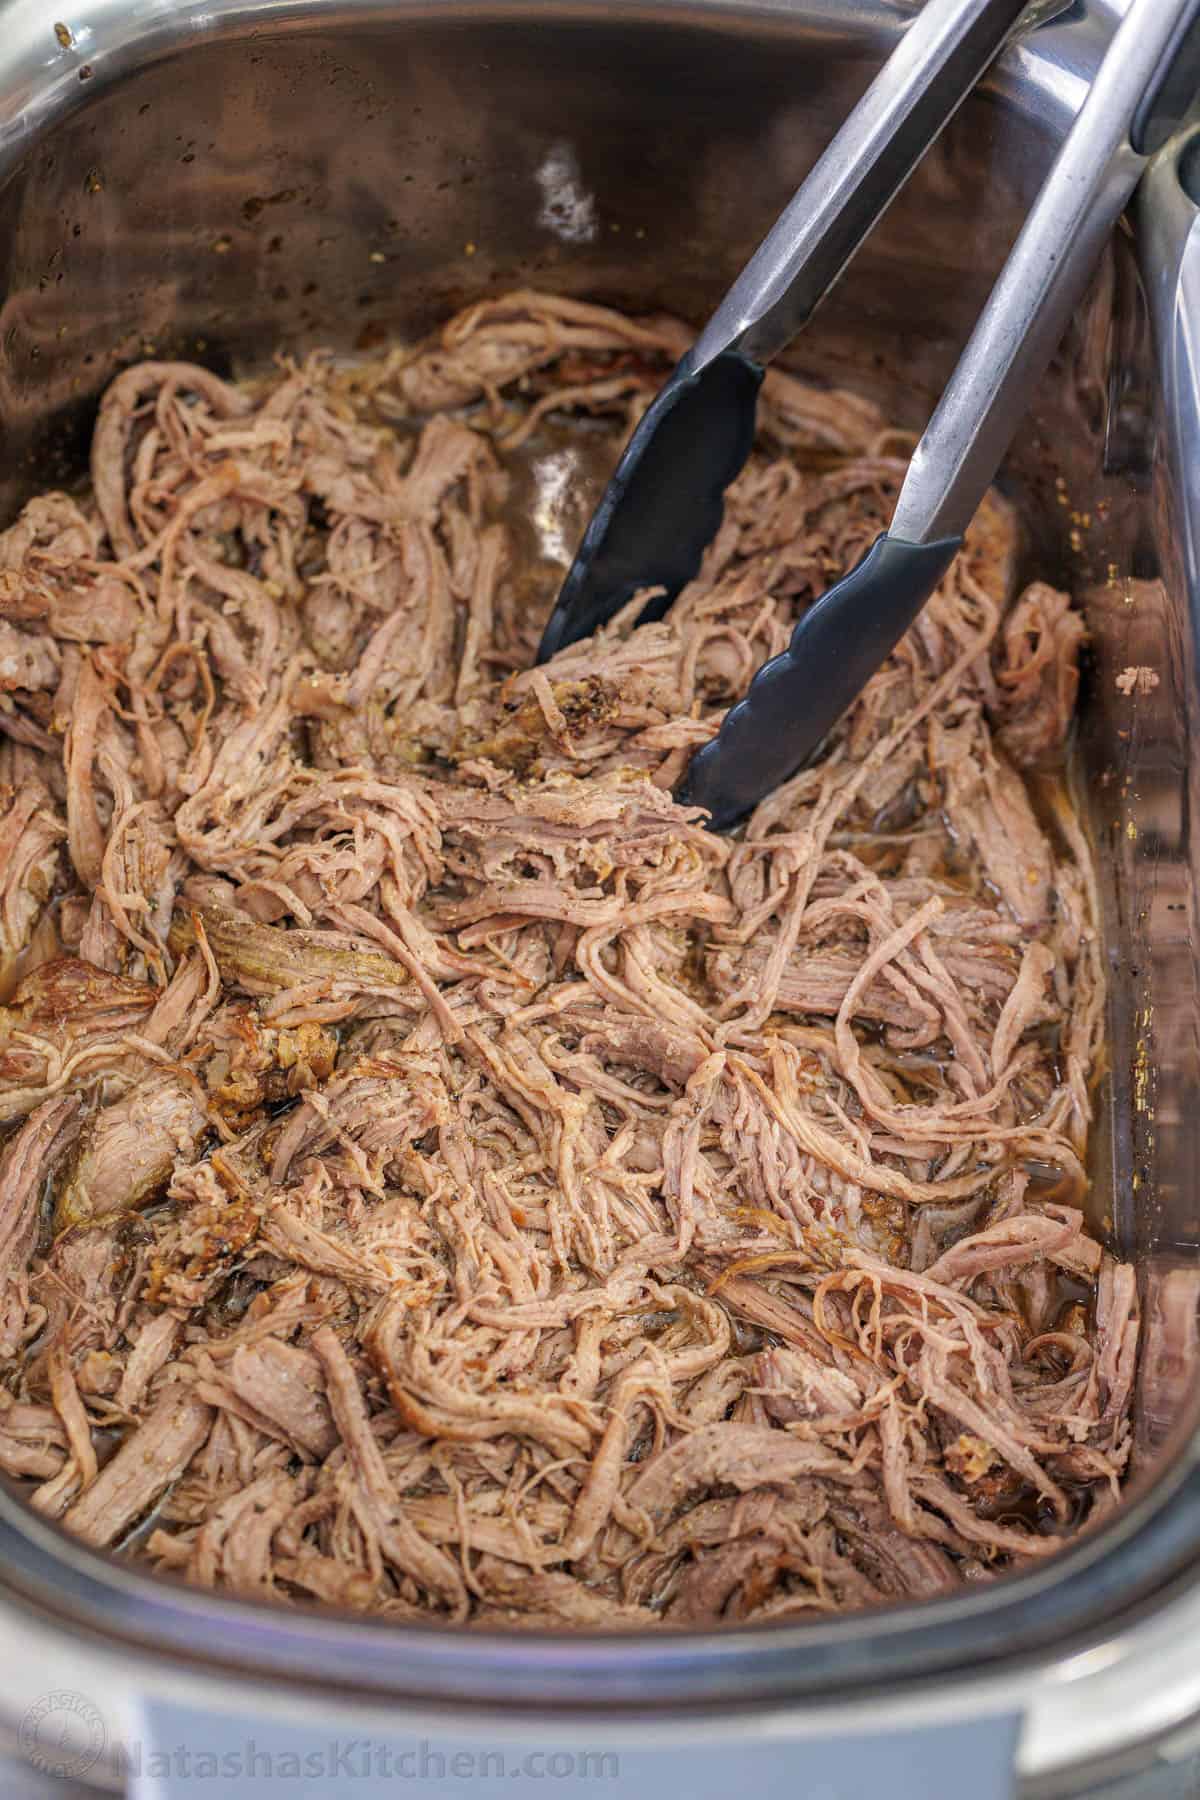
{"points": [[362, 1759]]}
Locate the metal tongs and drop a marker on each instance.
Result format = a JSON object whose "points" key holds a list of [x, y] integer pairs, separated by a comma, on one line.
{"points": [[664, 502]]}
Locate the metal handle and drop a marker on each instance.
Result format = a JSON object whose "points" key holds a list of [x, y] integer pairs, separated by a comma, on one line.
{"points": [[943, 53], [1042, 282]]}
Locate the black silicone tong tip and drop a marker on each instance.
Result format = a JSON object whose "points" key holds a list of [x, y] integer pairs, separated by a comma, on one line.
{"points": [[795, 699], [652, 531]]}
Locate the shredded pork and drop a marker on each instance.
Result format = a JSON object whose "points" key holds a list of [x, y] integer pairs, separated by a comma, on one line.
{"points": [[444, 1178]]}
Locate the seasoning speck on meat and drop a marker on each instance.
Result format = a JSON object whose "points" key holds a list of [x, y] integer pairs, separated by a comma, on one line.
{"points": [[443, 1178]]}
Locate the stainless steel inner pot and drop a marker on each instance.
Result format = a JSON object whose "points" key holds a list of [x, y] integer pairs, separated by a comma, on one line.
{"points": [[217, 180]]}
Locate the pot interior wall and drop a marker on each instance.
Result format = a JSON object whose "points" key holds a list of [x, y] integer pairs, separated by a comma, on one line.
{"points": [[341, 186]]}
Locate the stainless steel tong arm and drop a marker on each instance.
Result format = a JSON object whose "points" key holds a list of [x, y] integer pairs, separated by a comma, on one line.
{"points": [[942, 54], [1043, 281]]}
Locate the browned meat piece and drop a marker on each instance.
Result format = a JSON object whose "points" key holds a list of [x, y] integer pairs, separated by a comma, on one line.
{"points": [[800, 1386], [515, 1597], [497, 342], [263, 959], [31, 834], [118, 410], [89, 731], [249, 1065], [52, 525], [1037, 673], [131, 915], [69, 1013], [32, 1441], [901, 1565], [153, 1345], [82, 1284], [68, 998], [286, 1386], [28, 660], [129, 1150], [991, 816], [798, 414], [631, 1042], [380, 1512], [27, 1163], [379, 1112], [744, 1456], [150, 1459]]}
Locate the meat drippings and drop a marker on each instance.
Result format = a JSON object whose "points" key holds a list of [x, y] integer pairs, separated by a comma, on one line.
{"points": [[444, 1178]]}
